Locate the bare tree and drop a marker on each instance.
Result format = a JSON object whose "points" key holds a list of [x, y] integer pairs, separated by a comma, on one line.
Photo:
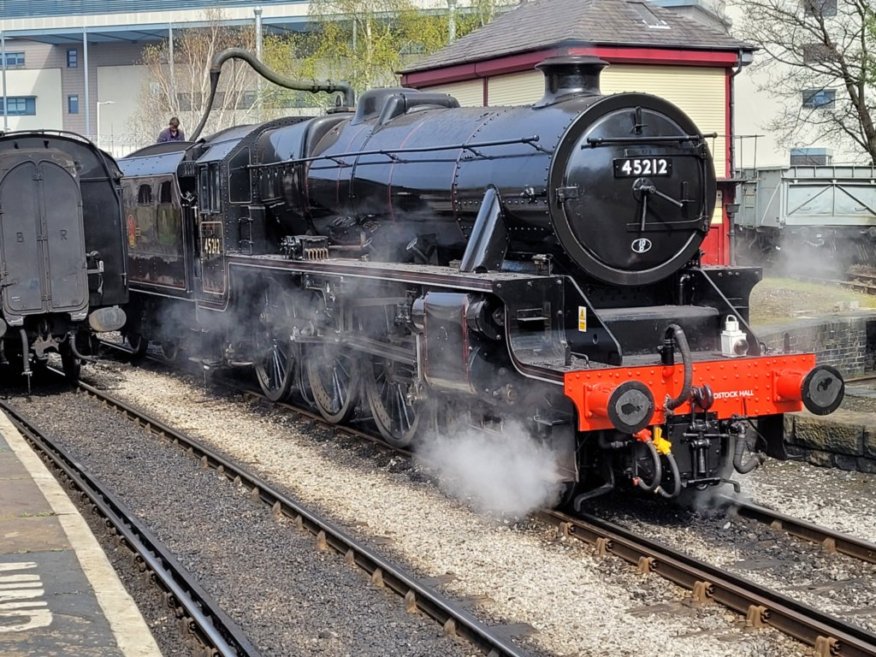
{"points": [[819, 58], [182, 87]]}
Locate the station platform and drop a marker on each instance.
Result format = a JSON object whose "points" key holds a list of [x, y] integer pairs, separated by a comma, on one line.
{"points": [[59, 595]]}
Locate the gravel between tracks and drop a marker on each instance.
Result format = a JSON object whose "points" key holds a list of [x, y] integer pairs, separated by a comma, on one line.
{"points": [[512, 572], [288, 598], [844, 501]]}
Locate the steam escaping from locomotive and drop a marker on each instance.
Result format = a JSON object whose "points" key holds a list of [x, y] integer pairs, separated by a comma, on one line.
{"points": [[502, 472]]}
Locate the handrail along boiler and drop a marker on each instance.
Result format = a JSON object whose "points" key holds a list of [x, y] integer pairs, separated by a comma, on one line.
{"points": [[419, 261]]}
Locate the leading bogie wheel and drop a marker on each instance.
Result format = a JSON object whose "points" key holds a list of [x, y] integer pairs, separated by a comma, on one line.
{"points": [[390, 387], [170, 349], [334, 377]]}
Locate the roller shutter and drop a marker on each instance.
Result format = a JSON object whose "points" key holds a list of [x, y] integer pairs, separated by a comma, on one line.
{"points": [[469, 93], [515, 88]]}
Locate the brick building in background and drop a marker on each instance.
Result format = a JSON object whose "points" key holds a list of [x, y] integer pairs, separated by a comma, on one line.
{"points": [[650, 49]]}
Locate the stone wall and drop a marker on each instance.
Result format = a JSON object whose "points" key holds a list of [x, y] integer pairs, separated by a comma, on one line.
{"points": [[846, 342], [844, 439]]}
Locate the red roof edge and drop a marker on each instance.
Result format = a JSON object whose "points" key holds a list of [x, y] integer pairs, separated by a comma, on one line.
{"points": [[527, 61]]}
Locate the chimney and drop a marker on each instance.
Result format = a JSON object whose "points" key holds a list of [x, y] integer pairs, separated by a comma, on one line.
{"points": [[570, 75]]}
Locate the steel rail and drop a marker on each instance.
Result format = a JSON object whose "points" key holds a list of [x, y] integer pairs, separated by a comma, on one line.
{"points": [[831, 540], [202, 615], [455, 620], [829, 635]]}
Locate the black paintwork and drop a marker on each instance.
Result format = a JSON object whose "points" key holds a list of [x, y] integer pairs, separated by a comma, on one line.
{"points": [[487, 250]]}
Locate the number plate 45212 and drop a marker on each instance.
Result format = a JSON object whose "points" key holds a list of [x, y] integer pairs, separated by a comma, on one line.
{"points": [[633, 167]]}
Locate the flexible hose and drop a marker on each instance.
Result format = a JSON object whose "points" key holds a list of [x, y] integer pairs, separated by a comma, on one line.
{"points": [[214, 84], [272, 76], [676, 478], [71, 340], [25, 353], [681, 340], [744, 467], [658, 470]]}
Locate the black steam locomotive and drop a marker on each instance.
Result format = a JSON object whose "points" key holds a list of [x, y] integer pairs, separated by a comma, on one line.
{"points": [[62, 248], [423, 263]]}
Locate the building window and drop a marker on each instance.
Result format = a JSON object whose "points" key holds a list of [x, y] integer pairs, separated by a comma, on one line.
{"points": [[188, 102], [15, 59], [819, 98], [801, 157], [648, 16], [72, 58], [821, 8], [73, 104], [19, 105]]}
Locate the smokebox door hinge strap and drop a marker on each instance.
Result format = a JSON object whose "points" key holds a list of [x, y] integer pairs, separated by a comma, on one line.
{"points": [[567, 193]]}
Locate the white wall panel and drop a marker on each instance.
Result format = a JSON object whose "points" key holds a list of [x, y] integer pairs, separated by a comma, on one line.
{"points": [[122, 85], [45, 85], [515, 88]]}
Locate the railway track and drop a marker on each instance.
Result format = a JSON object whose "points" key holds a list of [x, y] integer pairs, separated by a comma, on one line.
{"points": [[861, 280], [417, 597], [199, 614], [828, 635], [830, 540]]}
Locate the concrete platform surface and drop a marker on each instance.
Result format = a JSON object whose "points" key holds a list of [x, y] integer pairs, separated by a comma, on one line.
{"points": [[59, 595]]}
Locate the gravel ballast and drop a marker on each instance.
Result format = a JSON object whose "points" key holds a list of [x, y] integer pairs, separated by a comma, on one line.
{"points": [[511, 572], [289, 598]]}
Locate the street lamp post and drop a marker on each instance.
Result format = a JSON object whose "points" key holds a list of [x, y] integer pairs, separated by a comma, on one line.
{"points": [[97, 132]]}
